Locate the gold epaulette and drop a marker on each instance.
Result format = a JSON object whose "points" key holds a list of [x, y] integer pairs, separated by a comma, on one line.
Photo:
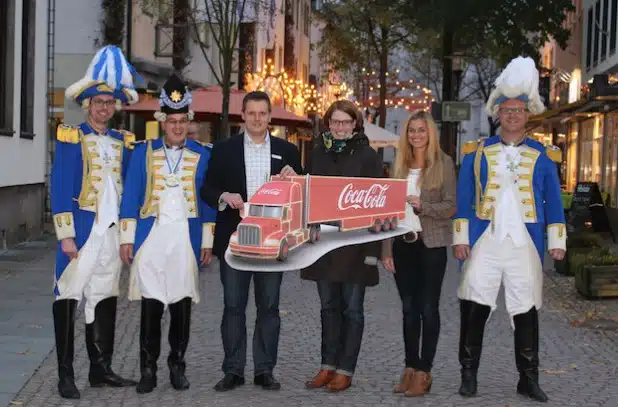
{"points": [[128, 138], [554, 153], [469, 147], [68, 134], [207, 145]]}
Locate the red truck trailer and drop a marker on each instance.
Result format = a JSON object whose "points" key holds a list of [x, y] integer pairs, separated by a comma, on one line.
{"points": [[285, 213]]}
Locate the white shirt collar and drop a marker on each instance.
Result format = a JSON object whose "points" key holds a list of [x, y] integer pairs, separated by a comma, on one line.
{"points": [[250, 142]]}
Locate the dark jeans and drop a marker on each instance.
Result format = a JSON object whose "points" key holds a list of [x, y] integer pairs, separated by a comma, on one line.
{"points": [[233, 326], [419, 272], [343, 322]]}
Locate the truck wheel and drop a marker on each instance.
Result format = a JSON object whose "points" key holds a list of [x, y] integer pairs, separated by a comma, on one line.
{"points": [[386, 226], [283, 250], [376, 227], [314, 234], [394, 223]]}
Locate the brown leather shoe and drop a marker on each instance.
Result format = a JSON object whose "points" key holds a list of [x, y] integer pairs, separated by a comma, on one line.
{"points": [[406, 380], [421, 384], [339, 383], [321, 379]]}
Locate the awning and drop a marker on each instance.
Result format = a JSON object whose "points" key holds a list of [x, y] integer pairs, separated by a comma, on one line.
{"points": [[379, 137], [582, 107], [207, 104]]}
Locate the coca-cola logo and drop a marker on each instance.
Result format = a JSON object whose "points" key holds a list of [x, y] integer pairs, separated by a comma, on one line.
{"points": [[369, 198], [270, 191]]}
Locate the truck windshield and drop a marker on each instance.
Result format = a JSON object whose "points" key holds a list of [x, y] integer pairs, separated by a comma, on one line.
{"points": [[264, 211]]}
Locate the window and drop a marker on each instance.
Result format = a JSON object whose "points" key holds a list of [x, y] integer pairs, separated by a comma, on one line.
{"points": [[307, 19], [589, 40], [7, 25], [597, 32], [604, 32], [611, 156], [27, 69], [613, 30], [571, 159]]}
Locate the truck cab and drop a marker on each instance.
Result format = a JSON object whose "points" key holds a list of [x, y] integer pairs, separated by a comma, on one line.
{"points": [[273, 224]]}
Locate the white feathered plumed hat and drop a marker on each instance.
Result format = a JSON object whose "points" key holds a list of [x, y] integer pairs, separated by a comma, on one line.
{"points": [[109, 73], [519, 80]]}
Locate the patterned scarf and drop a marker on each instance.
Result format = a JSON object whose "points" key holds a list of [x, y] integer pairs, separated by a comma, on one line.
{"points": [[333, 144]]}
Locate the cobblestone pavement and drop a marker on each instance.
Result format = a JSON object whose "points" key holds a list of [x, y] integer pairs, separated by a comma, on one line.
{"points": [[578, 359]]}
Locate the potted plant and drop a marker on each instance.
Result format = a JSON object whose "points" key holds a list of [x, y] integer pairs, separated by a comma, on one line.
{"points": [[596, 273], [582, 242]]}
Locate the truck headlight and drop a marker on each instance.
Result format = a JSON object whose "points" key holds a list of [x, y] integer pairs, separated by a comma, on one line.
{"points": [[234, 238], [271, 242]]}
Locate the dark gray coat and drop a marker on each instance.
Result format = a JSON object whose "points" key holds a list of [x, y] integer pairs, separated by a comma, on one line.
{"points": [[346, 264]]}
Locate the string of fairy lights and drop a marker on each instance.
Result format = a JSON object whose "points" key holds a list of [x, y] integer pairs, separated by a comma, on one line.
{"points": [[302, 98]]}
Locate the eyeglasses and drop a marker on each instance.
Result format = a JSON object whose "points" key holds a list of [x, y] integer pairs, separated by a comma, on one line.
{"points": [[514, 110], [176, 122], [334, 122], [101, 103]]}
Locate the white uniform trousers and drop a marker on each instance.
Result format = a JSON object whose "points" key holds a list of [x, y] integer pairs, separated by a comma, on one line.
{"points": [[492, 262], [95, 273]]}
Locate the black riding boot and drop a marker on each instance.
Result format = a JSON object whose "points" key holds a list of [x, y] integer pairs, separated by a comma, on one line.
{"points": [[100, 346], [64, 326], [180, 323], [527, 355], [472, 329], [150, 344]]}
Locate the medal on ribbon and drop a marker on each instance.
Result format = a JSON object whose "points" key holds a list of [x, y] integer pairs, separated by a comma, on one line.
{"points": [[171, 180]]}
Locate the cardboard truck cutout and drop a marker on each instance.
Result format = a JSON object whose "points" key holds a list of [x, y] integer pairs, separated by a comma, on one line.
{"points": [[287, 213]]}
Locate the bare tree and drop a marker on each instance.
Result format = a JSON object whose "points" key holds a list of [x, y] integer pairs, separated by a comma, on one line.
{"points": [[476, 81], [215, 26]]}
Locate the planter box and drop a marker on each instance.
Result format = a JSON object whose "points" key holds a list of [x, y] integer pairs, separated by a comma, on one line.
{"points": [[597, 281], [564, 266]]}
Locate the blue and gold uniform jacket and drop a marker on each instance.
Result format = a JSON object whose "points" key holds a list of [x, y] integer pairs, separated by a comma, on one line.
{"points": [[139, 208], [538, 193], [77, 177]]}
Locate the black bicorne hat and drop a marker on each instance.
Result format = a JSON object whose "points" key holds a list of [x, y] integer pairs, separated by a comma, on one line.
{"points": [[175, 96]]}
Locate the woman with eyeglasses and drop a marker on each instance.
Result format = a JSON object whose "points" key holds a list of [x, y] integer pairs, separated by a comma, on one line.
{"points": [[419, 262], [342, 275]]}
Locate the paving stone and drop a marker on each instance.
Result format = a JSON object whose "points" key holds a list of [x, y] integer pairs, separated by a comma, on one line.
{"points": [[578, 360]]}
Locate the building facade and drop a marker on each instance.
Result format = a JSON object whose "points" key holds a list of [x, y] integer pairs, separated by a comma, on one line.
{"points": [[23, 118], [583, 115]]}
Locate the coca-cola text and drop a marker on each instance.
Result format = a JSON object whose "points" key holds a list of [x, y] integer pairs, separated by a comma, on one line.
{"points": [[372, 197]]}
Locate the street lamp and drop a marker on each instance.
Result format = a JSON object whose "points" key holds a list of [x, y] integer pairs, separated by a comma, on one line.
{"points": [[458, 65]]}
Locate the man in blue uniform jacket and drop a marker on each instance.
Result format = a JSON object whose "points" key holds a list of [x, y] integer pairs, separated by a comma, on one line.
{"points": [[86, 185], [508, 198], [166, 232]]}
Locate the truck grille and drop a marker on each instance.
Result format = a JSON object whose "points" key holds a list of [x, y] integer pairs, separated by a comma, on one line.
{"points": [[248, 235]]}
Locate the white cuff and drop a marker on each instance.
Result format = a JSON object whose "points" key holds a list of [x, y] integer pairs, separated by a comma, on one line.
{"points": [[64, 225], [127, 231], [222, 203], [556, 236], [208, 235], [460, 232]]}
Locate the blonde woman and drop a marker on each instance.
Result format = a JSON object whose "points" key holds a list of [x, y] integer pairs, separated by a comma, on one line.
{"points": [[419, 265]]}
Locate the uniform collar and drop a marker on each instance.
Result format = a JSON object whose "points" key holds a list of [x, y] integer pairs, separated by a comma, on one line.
{"points": [[180, 147], [515, 144]]}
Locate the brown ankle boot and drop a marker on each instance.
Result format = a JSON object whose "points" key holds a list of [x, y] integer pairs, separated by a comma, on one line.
{"points": [[321, 379], [421, 384], [339, 382], [406, 380]]}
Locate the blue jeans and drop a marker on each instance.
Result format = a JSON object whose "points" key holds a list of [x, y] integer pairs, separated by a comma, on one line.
{"points": [[343, 322], [233, 325]]}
